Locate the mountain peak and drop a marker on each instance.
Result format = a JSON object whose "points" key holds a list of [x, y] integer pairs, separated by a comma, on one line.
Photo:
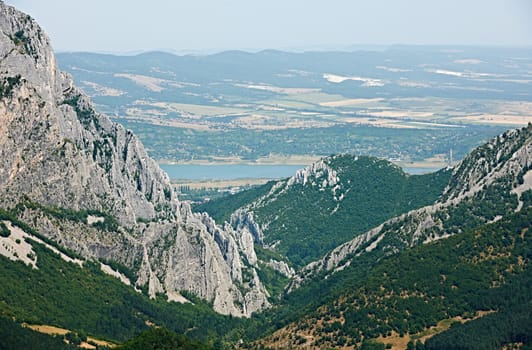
{"points": [[25, 50], [62, 162], [505, 154], [49, 125]]}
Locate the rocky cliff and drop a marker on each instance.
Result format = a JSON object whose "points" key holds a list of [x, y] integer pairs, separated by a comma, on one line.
{"points": [[56, 149], [89, 184]]}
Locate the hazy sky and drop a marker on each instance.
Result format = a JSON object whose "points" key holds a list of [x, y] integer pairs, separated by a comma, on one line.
{"points": [[206, 25]]}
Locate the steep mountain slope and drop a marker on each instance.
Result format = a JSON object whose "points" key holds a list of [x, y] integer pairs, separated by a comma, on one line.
{"points": [[88, 184], [50, 133], [481, 275], [329, 202], [45, 286], [487, 185]]}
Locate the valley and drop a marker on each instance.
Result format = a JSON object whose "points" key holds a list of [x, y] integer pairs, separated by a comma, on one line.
{"points": [[407, 104], [357, 200]]}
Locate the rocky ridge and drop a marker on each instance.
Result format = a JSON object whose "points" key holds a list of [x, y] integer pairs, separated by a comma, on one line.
{"points": [[63, 162], [346, 195], [493, 176], [318, 174]]}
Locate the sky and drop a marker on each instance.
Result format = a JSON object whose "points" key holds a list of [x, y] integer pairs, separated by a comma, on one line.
{"points": [[122, 26]]}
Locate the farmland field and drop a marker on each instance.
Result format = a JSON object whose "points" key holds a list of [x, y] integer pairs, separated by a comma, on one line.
{"points": [[406, 104]]}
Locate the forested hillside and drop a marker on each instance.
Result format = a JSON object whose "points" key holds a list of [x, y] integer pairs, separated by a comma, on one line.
{"points": [[485, 271], [329, 203]]}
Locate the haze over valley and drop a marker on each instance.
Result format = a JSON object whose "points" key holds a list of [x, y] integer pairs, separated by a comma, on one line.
{"points": [[409, 104]]}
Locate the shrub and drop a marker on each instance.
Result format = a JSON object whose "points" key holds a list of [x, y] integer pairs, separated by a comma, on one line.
{"points": [[4, 231]]}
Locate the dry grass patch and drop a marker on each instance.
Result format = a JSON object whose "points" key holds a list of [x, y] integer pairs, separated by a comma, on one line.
{"points": [[50, 330], [200, 110], [53, 330], [400, 113], [400, 343], [101, 342], [150, 83], [102, 90], [277, 89], [317, 97]]}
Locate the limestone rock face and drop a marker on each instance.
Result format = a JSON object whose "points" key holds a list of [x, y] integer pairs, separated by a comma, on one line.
{"points": [[194, 257], [55, 148], [247, 232], [319, 169], [58, 152]]}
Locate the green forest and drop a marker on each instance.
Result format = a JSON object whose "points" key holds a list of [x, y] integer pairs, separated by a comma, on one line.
{"points": [[483, 269]]}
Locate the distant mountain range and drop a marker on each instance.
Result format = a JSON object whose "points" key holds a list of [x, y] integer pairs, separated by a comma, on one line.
{"points": [[405, 102]]}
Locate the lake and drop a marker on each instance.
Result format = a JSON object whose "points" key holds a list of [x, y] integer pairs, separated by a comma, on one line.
{"points": [[420, 171], [228, 171], [243, 171]]}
